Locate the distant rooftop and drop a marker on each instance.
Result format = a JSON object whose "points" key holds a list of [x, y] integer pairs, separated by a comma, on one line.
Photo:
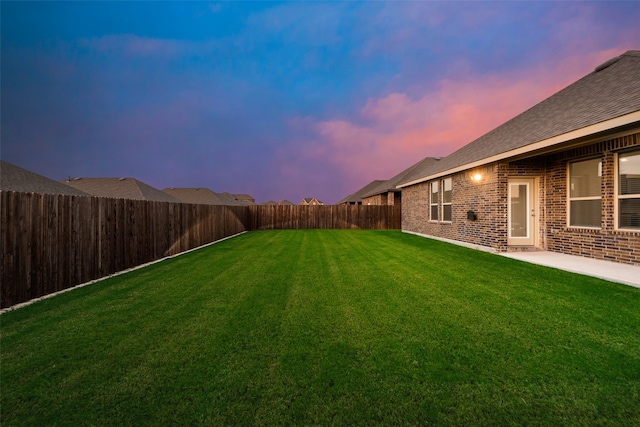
{"points": [[15, 178], [245, 198], [119, 188]]}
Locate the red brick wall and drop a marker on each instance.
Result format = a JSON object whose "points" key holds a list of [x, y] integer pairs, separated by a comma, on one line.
{"points": [[605, 243], [484, 197], [488, 199]]}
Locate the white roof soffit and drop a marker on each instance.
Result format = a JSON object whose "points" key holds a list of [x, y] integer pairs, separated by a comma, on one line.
{"points": [[625, 120]]}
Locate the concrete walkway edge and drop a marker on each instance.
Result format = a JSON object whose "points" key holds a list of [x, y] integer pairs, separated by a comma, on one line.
{"points": [[607, 270], [612, 271]]}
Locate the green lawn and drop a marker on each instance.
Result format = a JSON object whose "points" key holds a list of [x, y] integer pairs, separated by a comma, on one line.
{"points": [[327, 327]]}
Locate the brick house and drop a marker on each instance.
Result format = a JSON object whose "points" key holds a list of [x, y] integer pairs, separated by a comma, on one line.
{"points": [[563, 176]]}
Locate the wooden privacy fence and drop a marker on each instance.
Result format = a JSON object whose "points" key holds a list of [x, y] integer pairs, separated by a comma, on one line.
{"points": [[297, 217], [54, 242]]}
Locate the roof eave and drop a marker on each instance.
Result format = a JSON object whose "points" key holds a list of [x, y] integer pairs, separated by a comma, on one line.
{"points": [[608, 125], [377, 192]]}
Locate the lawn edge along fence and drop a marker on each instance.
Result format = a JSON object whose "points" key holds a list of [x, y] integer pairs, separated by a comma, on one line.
{"points": [[54, 242]]}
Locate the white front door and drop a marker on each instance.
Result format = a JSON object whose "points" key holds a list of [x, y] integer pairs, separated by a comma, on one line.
{"points": [[522, 212]]}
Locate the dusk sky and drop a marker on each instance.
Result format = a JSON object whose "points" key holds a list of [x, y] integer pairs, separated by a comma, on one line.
{"points": [[281, 100]]}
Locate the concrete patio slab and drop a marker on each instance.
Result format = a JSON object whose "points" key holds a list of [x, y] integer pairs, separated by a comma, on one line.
{"points": [[612, 271]]}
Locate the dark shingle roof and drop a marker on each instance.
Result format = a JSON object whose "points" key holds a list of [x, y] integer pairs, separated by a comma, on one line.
{"points": [[357, 196], [233, 200], [609, 92], [14, 178], [244, 198], [204, 196], [120, 188], [389, 185]]}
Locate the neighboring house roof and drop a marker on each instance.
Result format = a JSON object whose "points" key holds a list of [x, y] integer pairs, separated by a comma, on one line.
{"points": [[232, 199], [199, 196], [357, 196], [270, 203], [244, 198], [605, 99], [391, 184], [120, 188], [204, 196], [309, 200], [286, 202], [14, 178]]}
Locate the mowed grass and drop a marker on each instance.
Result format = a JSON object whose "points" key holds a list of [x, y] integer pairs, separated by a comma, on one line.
{"points": [[327, 327]]}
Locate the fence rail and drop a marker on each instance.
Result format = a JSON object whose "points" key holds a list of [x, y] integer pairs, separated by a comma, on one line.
{"points": [[54, 242]]}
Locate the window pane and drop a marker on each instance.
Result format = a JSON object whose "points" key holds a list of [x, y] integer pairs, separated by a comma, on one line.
{"points": [[629, 170], [586, 213], [446, 191], [446, 213], [434, 212], [629, 213], [585, 178], [519, 210], [434, 192]]}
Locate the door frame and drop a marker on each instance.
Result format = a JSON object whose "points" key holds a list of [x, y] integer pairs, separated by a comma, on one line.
{"points": [[533, 212]]}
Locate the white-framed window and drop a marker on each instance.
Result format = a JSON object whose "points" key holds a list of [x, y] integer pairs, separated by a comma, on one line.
{"points": [[446, 199], [585, 193], [434, 193], [629, 190]]}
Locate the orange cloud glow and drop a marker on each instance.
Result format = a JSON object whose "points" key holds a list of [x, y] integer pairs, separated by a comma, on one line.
{"points": [[400, 128]]}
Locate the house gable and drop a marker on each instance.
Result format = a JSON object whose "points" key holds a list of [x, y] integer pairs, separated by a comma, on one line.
{"points": [[311, 201]]}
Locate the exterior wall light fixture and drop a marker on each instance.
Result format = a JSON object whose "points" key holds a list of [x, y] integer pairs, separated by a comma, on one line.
{"points": [[476, 177]]}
